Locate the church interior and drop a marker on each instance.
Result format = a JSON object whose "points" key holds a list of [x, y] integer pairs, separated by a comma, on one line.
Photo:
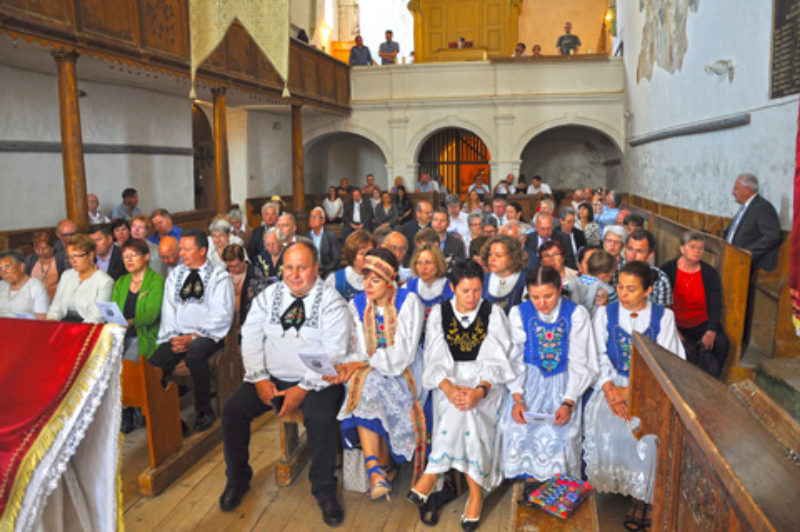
{"points": [[668, 103]]}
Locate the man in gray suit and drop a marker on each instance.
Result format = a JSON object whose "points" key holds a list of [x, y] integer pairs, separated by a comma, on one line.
{"points": [[330, 251], [755, 227]]}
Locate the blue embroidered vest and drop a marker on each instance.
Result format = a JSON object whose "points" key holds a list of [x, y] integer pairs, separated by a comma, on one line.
{"points": [[510, 300], [360, 301], [343, 287], [618, 345], [547, 346], [446, 295]]}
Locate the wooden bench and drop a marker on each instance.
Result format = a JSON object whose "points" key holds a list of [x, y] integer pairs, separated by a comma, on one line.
{"points": [[294, 450], [527, 519], [170, 454]]}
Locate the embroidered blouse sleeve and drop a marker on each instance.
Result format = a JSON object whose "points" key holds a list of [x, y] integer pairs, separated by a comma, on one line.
{"points": [[668, 335], [356, 350], [517, 355], [438, 361], [583, 366], [253, 335], [168, 328], [607, 371], [393, 360], [494, 351], [336, 327], [220, 308]]}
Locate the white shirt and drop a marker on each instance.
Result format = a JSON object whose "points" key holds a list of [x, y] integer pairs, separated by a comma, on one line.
{"points": [[269, 350], [738, 219], [667, 335], [502, 286], [459, 225], [81, 296], [31, 297], [544, 189], [429, 291], [333, 209], [209, 317], [582, 365], [214, 258], [357, 212], [98, 218], [394, 359], [353, 279]]}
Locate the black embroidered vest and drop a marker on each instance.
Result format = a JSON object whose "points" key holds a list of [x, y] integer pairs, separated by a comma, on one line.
{"points": [[464, 343]]}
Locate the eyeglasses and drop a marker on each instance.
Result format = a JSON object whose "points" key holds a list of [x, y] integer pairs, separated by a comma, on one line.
{"points": [[612, 242], [425, 263], [128, 256], [552, 255], [67, 235], [76, 256], [397, 249]]}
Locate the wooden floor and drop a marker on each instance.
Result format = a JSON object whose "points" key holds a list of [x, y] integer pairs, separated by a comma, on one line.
{"points": [[191, 503]]}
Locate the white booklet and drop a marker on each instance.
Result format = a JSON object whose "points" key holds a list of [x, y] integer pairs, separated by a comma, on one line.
{"points": [[111, 313], [24, 315], [531, 417], [318, 362]]}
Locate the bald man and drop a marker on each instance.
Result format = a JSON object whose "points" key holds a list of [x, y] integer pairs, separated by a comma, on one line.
{"points": [[397, 244], [65, 230], [169, 252]]}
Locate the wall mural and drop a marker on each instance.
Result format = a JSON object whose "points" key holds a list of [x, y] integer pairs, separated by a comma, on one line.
{"points": [[664, 40]]}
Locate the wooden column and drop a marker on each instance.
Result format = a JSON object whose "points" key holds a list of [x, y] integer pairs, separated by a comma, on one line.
{"points": [[223, 180], [298, 187], [71, 140]]}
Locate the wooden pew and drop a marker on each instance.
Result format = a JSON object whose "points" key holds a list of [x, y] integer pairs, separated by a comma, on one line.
{"points": [[646, 215], [528, 202], [430, 197], [719, 467], [170, 454], [733, 266]]}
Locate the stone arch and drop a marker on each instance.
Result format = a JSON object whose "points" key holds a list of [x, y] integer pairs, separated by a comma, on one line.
{"points": [[337, 154], [320, 133], [613, 134], [428, 130]]}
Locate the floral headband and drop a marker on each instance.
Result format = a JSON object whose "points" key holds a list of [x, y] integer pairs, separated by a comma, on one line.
{"points": [[383, 269]]}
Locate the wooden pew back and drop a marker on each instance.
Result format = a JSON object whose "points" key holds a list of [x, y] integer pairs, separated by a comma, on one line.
{"points": [[529, 204], [641, 211]]}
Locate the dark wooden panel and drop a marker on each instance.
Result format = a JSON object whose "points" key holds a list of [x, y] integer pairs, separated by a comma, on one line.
{"points": [[295, 73], [56, 12], [326, 80], [241, 52], [164, 24], [308, 68], [216, 59], [114, 19], [267, 74]]}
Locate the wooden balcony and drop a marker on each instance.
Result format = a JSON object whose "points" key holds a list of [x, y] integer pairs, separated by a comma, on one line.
{"points": [[154, 34]]}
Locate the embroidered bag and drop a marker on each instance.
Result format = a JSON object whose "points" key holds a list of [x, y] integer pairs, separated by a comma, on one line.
{"points": [[560, 496]]}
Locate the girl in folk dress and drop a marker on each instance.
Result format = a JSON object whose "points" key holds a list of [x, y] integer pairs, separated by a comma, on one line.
{"points": [[555, 359], [381, 410], [467, 342], [615, 460]]}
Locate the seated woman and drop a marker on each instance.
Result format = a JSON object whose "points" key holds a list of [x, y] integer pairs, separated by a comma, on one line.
{"points": [[385, 212], [403, 204], [219, 236], [141, 228], [504, 285], [616, 461], [381, 410], [248, 281], [555, 360], [474, 204], [551, 254], [270, 260], [349, 281], [467, 341], [42, 264], [82, 286], [697, 304], [333, 207], [19, 292], [429, 282], [121, 230], [586, 223]]}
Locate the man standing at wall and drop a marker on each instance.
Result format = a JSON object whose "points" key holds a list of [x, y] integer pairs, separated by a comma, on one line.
{"points": [[388, 50], [568, 44]]}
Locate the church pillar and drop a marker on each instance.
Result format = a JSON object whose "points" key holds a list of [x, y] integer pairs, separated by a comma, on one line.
{"points": [[223, 178], [71, 139], [298, 185]]}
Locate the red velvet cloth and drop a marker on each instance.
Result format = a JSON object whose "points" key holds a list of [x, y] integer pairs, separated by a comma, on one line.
{"points": [[39, 363]]}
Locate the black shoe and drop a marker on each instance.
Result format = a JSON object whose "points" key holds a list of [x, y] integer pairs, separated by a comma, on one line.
{"points": [[204, 420], [127, 420], [469, 525], [332, 512], [417, 499], [231, 498]]}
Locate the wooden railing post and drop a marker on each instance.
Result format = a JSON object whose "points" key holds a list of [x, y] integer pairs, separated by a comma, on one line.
{"points": [[223, 179], [71, 139], [298, 187]]}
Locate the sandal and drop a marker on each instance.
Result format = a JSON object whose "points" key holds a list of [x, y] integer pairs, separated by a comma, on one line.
{"points": [[638, 517], [382, 488]]}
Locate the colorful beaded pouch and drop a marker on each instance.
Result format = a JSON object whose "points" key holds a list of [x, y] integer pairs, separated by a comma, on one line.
{"points": [[560, 496]]}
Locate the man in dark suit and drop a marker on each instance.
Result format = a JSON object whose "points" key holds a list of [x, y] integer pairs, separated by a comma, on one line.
{"points": [[542, 232], [422, 219], [330, 250], [451, 245], [755, 227], [357, 215], [269, 214], [107, 256], [575, 236]]}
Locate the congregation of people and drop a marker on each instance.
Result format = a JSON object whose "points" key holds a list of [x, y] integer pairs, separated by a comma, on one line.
{"points": [[464, 336]]}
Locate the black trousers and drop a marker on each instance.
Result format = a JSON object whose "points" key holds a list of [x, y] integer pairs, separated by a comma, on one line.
{"points": [[319, 417], [719, 350], [197, 360]]}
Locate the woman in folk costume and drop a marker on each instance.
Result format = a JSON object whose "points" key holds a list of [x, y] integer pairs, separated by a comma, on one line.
{"points": [[381, 410], [615, 460], [504, 285], [349, 281], [555, 359], [467, 342]]}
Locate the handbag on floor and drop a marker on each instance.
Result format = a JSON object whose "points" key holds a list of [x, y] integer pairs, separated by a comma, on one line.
{"points": [[560, 496], [354, 476]]}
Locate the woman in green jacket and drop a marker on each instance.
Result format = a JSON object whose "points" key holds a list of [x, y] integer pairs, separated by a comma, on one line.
{"points": [[138, 294]]}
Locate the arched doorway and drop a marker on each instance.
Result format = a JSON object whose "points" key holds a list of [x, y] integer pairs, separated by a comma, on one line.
{"points": [[205, 192], [572, 157], [457, 155], [328, 159]]}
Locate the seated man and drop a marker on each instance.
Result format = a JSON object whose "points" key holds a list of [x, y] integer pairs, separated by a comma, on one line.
{"points": [[425, 184], [269, 219], [641, 245], [129, 206], [451, 245], [287, 227], [169, 252], [299, 314], [479, 186], [162, 222], [569, 43], [358, 215], [610, 210], [326, 242], [107, 256], [196, 315], [539, 188]]}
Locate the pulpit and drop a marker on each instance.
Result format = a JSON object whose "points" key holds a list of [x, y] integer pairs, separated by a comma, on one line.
{"points": [[59, 425]]}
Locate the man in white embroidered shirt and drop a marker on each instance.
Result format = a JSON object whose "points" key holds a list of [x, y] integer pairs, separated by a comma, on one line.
{"points": [[299, 314], [196, 315]]}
